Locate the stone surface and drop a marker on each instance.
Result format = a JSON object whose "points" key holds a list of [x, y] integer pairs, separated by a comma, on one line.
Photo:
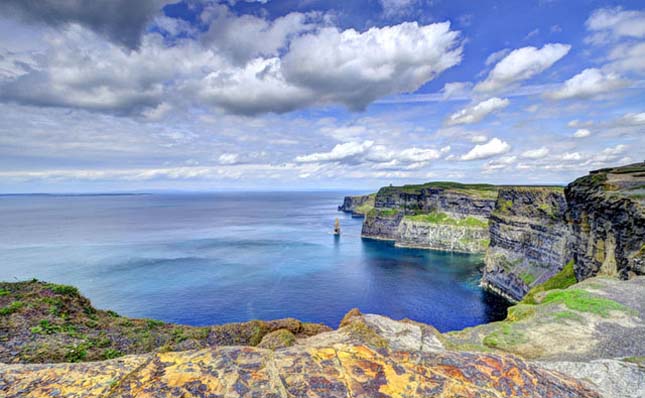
{"points": [[304, 370], [607, 218], [528, 240]]}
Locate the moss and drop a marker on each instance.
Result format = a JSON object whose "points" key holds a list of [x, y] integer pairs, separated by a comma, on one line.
{"points": [[637, 360], [519, 312], [505, 336], [567, 315], [484, 242], [278, 339], [63, 289], [505, 206], [561, 280], [527, 278], [583, 301], [359, 330], [444, 219], [110, 353], [11, 308]]}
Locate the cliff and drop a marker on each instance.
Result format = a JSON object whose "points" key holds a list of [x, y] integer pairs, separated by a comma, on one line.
{"points": [[358, 205], [607, 219], [368, 356], [437, 215], [528, 240]]}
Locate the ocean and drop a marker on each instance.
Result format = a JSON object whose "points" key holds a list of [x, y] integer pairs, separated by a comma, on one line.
{"points": [[212, 258]]}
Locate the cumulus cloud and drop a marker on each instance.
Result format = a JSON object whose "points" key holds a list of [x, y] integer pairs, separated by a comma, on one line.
{"points": [[492, 148], [229, 158], [589, 83], [121, 21], [355, 68], [456, 90], [615, 23], [522, 64], [380, 156], [536, 153], [477, 112], [80, 70], [339, 152], [582, 133]]}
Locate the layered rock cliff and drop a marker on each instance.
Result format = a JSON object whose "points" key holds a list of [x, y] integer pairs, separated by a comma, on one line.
{"points": [[607, 219], [528, 240], [358, 205], [439, 215]]}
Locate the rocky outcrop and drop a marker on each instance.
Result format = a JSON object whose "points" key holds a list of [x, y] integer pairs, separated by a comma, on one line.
{"points": [[358, 205], [528, 240], [607, 219], [580, 340], [382, 224], [369, 356], [439, 215], [444, 237]]}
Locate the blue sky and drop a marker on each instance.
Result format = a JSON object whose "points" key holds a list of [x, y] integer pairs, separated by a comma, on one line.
{"points": [[111, 95]]}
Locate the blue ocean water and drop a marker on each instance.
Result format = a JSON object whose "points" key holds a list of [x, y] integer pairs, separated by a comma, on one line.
{"points": [[203, 259]]}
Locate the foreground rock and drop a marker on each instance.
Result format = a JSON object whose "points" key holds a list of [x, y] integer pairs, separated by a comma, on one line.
{"points": [[607, 218], [370, 356], [528, 240]]}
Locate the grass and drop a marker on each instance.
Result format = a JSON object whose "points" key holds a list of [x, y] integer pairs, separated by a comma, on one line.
{"points": [[527, 278], [383, 212], [444, 219], [503, 337], [63, 289], [484, 191], [561, 280], [11, 308], [582, 301], [4, 292]]}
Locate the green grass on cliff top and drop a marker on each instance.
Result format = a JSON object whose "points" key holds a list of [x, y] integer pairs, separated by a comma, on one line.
{"points": [[484, 191], [444, 219]]}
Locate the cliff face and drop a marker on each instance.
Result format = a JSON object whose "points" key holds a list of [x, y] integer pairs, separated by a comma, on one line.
{"points": [[528, 240], [607, 219], [358, 205], [382, 224], [440, 215], [445, 237]]}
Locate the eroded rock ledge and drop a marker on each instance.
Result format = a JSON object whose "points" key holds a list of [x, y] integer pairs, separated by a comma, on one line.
{"points": [[552, 345]]}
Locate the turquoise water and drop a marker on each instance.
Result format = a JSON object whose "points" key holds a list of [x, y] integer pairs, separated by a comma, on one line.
{"points": [[204, 259]]}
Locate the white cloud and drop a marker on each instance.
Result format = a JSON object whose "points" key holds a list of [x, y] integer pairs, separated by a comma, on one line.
{"points": [[498, 164], [454, 90], [571, 156], [536, 153], [496, 56], [633, 119], [339, 152], [492, 148], [397, 8], [355, 68], [578, 123], [477, 112], [228, 158], [614, 23], [628, 57], [522, 64], [582, 133], [589, 83]]}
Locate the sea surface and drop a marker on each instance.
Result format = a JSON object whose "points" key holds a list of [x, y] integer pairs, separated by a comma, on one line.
{"points": [[212, 258]]}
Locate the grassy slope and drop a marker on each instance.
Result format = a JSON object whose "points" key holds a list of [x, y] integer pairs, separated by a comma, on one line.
{"points": [[43, 322]]}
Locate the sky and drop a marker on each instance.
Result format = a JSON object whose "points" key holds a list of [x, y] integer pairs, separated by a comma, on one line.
{"points": [[205, 95]]}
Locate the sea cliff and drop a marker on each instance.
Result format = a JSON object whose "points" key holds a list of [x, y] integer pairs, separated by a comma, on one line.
{"points": [[438, 215], [607, 219], [358, 205], [528, 240]]}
